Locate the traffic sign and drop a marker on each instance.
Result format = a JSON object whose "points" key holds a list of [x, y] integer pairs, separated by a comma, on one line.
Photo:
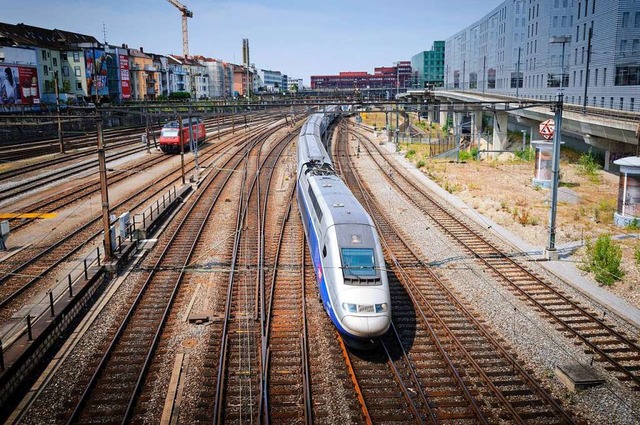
{"points": [[547, 128]]}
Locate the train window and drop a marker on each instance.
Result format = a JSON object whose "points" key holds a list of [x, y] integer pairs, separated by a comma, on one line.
{"points": [[358, 262], [324, 251], [316, 206]]}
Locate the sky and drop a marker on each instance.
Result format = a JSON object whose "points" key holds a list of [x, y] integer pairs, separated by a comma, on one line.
{"points": [[299, 38]]}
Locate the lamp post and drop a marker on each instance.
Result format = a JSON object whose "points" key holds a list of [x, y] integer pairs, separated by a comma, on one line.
{"points": [[586, 81], [550, 251], [524, 138]]}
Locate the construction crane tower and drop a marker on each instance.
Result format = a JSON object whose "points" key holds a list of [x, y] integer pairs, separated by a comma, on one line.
{"points": [[186, 13]]}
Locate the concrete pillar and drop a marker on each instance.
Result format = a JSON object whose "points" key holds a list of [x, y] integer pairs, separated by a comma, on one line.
{"points": [[443, 117], [431, 114], [606, 145], [478, 126], [499, 131]]}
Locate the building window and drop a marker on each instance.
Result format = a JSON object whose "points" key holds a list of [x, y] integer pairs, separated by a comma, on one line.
{"points": [[76, 69], [79, 85], [604, 77], [611, 103], [625, 19], [623, 47], [76, 56], [627, 75], [636, 23], [602, 102], [621, 103], [579, 8], [564, 21], [55, 61], [574, 78], [517, 80], [631, 104], [44, 55], [46, 70], [593, 7], [580, 78], [65, 71], [595, 80], [63, 55]]}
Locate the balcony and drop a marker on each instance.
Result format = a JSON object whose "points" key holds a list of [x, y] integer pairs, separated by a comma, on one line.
{"points": [[150, 68]]}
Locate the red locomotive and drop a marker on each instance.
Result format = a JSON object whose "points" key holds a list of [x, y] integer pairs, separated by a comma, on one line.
{"points": [[170, 138]]}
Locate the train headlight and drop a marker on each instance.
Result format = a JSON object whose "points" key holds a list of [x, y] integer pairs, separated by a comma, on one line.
{"points": [[381, 308], [350, 308]]}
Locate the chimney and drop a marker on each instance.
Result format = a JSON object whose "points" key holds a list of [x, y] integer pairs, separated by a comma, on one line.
{"points": [[124, 46], [141, 49]]}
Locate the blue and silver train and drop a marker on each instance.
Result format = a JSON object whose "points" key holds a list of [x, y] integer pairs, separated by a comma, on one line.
{"points": [[343, 241]]}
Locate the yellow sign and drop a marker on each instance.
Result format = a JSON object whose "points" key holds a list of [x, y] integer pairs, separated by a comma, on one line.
{"points": [[27, 215]]}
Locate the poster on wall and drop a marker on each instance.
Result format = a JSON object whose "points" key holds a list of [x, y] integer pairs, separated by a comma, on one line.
{"points": [[96, 62], [125, 84], [19, 85]]}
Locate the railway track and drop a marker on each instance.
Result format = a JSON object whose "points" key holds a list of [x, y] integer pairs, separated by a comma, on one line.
{"points": [[482, 381], [619, 351], [141, 330], [34, 264]]}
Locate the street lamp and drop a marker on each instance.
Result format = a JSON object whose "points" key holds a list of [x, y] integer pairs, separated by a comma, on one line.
{"points": [[550, 251]]}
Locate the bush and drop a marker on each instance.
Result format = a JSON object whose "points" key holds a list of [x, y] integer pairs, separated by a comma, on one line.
{"points": [[603, 259], [180, 95], [465, 155], [588, 167], [636, 255], [421, 164], [410, 154], [525, 155]]}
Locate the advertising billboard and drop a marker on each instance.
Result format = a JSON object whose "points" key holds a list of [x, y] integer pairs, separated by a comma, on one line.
{"points": [[96, 61], [125, 83], [19, 85]]}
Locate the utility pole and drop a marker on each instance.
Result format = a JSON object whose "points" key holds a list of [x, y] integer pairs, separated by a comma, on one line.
{"points": [[586, 82], [518, 72], [181, 139], [104, 194], [484, 71], [60, 135], [550, 251]]}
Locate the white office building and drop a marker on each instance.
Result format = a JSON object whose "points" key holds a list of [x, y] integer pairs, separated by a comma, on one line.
{"points": [[517, 49]]}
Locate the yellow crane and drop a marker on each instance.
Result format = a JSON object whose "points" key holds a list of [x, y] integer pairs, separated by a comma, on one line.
{"points": [[186, 13]]}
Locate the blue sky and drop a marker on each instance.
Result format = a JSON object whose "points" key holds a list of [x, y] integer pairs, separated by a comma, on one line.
{"points": [[299, 38]]}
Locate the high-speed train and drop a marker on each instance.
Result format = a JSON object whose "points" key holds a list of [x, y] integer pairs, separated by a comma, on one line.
{"points": [[343, 241]]}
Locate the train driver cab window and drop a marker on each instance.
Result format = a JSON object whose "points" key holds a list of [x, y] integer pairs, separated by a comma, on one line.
{"points": [[358, 262], [324, 251]]}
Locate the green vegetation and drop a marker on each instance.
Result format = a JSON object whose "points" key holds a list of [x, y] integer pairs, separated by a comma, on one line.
{"points": [[411, 153], [603, 259], [180, 95], [587, 166], [633, 225], [421, 164], [526, 155], [636, 255]]}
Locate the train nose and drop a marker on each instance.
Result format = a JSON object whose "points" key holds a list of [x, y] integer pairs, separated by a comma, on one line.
{"points": [[366, 326]]}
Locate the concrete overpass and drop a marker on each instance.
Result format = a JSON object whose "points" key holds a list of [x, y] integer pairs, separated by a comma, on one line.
{"points": [[614, 132]]}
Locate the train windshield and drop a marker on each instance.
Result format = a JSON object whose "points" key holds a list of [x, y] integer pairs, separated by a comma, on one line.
{"points": [[358, 262]]}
